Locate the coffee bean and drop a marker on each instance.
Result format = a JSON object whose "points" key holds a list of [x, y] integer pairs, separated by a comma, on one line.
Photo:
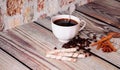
{"points": [[85, 51], [94, 36], [78, 49], [95, 40], [88, 49], [55, 48], [90, 54], [85, 55]]}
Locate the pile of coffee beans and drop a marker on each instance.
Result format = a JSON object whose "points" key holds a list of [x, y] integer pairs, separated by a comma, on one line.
{"points": [[78, 42]]}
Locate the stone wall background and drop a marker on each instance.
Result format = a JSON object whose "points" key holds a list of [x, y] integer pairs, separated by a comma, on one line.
{"points": [[18, 12]]}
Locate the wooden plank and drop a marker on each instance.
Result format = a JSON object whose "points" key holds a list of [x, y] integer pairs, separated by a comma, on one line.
{"points": [[96, 25], [110, 3], [9, 63], [31, 42], [104, 10]]}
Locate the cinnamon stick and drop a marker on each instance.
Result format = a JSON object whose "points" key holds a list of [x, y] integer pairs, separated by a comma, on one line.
{"points": [[115, 34], [111, 46], [102, 40]]}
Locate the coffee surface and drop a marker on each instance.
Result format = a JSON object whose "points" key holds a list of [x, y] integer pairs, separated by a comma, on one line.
{"points": [[65, 22]]}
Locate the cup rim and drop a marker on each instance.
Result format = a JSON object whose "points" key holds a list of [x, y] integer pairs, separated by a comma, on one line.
{"points": [[65, 17]]}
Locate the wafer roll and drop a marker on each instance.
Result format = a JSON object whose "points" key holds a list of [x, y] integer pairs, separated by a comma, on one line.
{"points": [[69, 50], [82, 56], [51, 56], [62, 50], [58, 57], [66, 54], [69, 59], [75, 54], [61, 57], [72, 54]]}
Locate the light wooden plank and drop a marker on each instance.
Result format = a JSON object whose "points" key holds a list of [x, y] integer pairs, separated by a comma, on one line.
{"points": [[33, 41], [9, 63], [105, 10]]}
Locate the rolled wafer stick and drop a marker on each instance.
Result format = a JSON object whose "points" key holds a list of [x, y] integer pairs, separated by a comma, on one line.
{"points": [[51, 56], [65, 54], [81, 55], [69, 54], [69, 50], [69, 59], [75, 55], [53, 52], [61, 57], [58, 57], [63, 50]]}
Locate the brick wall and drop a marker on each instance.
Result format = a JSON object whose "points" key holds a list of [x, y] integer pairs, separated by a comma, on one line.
{"points": [[17, 12]]}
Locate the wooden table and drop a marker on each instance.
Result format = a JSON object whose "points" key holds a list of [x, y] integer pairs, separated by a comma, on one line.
{"points": [[25, 47]]}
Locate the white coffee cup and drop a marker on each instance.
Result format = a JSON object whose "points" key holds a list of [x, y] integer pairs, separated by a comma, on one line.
{"points": [[65, 33]]}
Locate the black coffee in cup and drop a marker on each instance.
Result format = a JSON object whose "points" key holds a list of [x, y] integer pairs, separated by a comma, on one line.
{"points": [[65, 22]]}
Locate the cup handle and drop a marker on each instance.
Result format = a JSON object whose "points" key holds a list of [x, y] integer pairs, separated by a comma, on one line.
{"points": [[84, 24]]}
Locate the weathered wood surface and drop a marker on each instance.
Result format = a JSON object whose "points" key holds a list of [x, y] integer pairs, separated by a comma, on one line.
{"points": [[29, 43], [9, 63], [105, 10]]}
